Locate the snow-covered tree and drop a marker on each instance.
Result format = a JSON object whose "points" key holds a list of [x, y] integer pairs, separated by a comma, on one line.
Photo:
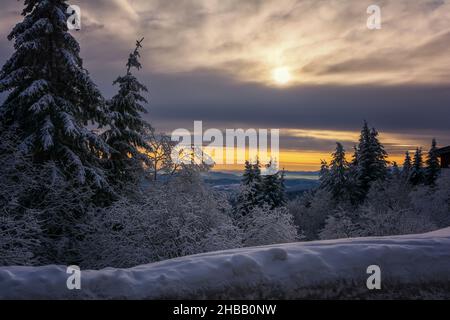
{"points": [[311, 211], [337, 226], [387, 210], [264, 226], [371, 158], [273, 189], [20, 232], [324, 174], [434, 200], [417, 170], [432, 165], [407, 166], [354, 162], [392, 222], [340, 177], [182, 216], [51, 96], [282, 189], [160, 155], [252, 173], [380, 164], [338, 180], [339, 165], [395, 171], [127, 131], [41, 210], [19, 239], [389, 194], [250, 191]]}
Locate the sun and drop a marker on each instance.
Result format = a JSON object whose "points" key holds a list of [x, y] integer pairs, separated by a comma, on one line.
{"points": [[281, 75]]}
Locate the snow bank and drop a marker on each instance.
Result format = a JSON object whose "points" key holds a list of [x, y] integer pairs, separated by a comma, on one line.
{"points": [[279, 271]]}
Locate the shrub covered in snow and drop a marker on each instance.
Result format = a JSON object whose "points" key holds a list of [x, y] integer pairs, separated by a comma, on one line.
{"points": [[173, 219], [311, 211], [393, 207], [41, 210], [264, 226], [434, 200], [338, 225], [19, 239]]}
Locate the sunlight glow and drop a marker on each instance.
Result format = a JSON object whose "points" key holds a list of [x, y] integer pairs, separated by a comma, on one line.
{"points": [[281, 75]]}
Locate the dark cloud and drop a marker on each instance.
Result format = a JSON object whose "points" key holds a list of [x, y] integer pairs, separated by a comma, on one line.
{"points": [[211, 62], [211, 97]]}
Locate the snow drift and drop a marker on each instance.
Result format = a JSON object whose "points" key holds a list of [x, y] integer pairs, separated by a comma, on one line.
{"points": [[411, 266]]}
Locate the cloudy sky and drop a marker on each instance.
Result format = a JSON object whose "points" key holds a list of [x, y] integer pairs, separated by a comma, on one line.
{"points": [[311, 68]]}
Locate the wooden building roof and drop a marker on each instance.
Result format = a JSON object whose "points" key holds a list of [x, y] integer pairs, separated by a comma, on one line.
{"points": [[443, 151]]}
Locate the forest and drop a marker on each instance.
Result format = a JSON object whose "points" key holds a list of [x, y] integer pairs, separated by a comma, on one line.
{"points": [[73, 166]]}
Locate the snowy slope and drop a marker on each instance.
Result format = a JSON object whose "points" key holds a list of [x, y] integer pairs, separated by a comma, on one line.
{"points": [[409, 265]]}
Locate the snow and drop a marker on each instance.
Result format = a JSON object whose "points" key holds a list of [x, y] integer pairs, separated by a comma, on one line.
{"points": [[47, 133], [409, 260], [43, 104], [36, 87]]}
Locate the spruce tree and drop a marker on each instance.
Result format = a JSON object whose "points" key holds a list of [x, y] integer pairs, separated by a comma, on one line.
{"points": [[250, 194], [432, 165], [395, 172], [354, 162], [249, 174], [380, 167], [355, 192], [282, 188], [273, 189], [417, 172], [407, 166], [324, 175], [127, 131], [338, 173], [52, 97], [257, 171], [370, 159]]}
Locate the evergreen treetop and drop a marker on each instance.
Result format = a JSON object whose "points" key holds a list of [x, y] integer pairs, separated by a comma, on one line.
{"points": [[432, 165], [128, 129], [395, 172], [407, 164], [338, 173], [52, 97], [273, 189], [370, 158], [417, 173]]}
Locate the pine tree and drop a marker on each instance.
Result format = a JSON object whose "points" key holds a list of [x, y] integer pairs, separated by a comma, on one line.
{"points": [[248, 176], [417, 172], [395, 172], [257, 171], [273, 189], [355, 193], [250, 194], [380, 167], [126, 135], [324, 175], [370, 159], [338, 173], [407, 166], [52, 97], [282, 189], [354, 162], [432, 165]]}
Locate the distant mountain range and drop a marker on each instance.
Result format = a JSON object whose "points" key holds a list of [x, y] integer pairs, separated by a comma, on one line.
{"points": [[296, 182]]}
